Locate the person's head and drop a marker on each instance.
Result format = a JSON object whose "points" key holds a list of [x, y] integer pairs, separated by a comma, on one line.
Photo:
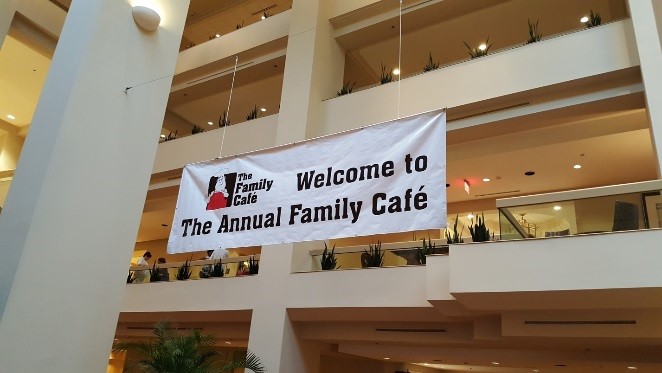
{"points": [[147, 255], [161, 260], [209, 252]]}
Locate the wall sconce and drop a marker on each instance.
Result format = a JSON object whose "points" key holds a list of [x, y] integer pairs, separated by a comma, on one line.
{"points": [[146, 18]]}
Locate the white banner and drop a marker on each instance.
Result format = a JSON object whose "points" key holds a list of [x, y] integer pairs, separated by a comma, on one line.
{"points": [[385, 178]]}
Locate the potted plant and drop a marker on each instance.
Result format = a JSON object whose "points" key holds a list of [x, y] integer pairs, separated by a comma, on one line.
{"points": [[197, 129], [253, 114], [131, 277], [328, 261], [432, 65], [253, 266], [479, 232], [427, 249], [223, 120], [217, 269], [171, 136], [594, 19], [534, 35], [386, 76], [184, 272], [346, 89], [454, 237], [374, 257], [173, 351], [480, 51], [154, 274]]}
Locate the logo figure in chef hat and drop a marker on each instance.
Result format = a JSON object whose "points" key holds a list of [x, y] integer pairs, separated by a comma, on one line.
{"points": [[220, 190]]}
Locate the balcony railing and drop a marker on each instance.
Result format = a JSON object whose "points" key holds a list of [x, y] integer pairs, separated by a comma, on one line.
{"points": [[198, 269]]}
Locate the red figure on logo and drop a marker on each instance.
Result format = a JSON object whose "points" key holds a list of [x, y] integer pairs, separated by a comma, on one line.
{"points": [[217, 194]]}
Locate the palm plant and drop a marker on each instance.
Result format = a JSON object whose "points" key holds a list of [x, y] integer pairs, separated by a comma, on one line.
{"points": [[154, 274], [253, 266], [223, 120], [328, 261], [454, 237], [534, 35], [217, 269], [253, 114], [427, 249], [594, 19], [197, 129], [174, 352], [479, 231], [184, 272], [346, 89]]}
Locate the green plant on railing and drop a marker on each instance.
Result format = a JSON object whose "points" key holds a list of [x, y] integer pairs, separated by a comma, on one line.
{"points": [[427, 249], [329, 261], [253, 114], [479, 231], [131, 277], [217, 269], [154, 274], [197, 129], [481, 50], [534, 34], [171, 136], [374, 257], [239, 25], [386, 76], [184, 272], [223, 120], [266, 15], [432, 65], [454, 237], [594, 19], [253, 266], [346, 89]]}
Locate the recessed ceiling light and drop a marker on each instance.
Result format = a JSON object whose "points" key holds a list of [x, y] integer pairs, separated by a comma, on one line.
{"points": [[11, 116], [486, 179], [217, 35], [448, 185], [557, 208], [426, 364], [584, 19], [577, 166], [482, 47], [210, 123], [529, 173], [386, 358], [163, 136], [470, 216], [263, 17], [396, 71], [632, 368], [536, 371], [495, 363], [228, 343], [262, 109]]}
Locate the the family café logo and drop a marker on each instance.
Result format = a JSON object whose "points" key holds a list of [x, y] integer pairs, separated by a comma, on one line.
{"points": [[227, 189]]}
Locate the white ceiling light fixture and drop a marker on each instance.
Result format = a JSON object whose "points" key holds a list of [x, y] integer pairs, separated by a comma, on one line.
{"points": [[163, 136], [584, 19], [262, 109], [210, 123], [557, 208], [11, 116], [577, 166], [396, 71], [470, 216], [217, 35], [263, 17], [146, 18], [495, 363], [482, 47], [487, 179], [632, 368]]}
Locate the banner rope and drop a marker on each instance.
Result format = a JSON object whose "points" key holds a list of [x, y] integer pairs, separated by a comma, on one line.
{"points": [[227, 115], [399, 57]]}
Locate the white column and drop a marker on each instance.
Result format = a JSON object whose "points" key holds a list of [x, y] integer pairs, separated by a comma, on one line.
{"points": [[647, 20], [7, 10], [316, 74], [72, 213]]}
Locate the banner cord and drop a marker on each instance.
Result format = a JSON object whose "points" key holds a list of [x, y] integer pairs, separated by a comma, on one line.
{"points": [[399, 57], [227, 115]]}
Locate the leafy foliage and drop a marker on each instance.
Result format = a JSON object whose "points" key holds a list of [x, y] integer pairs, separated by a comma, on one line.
{"points": [[594, 19], [253, 266], [328, 261], [239, 25], [131, 277], [253, 114], [534, 35], [217, 269], [386, 76], [223, 120], [154, 274], [266, 15], [184, 272], [479, 232], [477, 52], [174, 352], [374, 257], [346, 89], [427, 249], [432, 65], [197, 129], [171, 136], [454, 237]]}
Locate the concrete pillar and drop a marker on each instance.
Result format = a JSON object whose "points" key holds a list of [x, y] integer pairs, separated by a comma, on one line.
{"points": [[273, 337], [7, 11], [70, 220], [647, 20], [316, 75]]}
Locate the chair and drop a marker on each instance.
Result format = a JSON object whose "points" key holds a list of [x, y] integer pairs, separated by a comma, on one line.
{"points": [[626, 216]]}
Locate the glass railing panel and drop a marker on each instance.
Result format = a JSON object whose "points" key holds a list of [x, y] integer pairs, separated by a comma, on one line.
{"points": [[607, 213]]}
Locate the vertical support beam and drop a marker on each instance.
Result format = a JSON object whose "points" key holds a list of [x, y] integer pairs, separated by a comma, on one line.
{"points": [[645, 19], [7, 11], [316, 75], [71, 217]]}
